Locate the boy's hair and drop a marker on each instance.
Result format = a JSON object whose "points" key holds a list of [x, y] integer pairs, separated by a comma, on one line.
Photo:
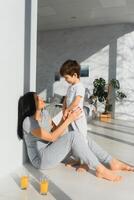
{"points": [[70, 67]]}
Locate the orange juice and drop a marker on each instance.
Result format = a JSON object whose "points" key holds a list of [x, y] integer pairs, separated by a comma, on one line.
{"points": [[24, 182], [43, 187]]}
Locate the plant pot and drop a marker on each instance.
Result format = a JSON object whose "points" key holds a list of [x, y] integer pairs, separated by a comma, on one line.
{"points": [[106, 117]]}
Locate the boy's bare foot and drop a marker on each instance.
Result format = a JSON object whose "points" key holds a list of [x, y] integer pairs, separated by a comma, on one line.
{"points": [[82, 168], [72, 163], [102, 172], [118, 165]]}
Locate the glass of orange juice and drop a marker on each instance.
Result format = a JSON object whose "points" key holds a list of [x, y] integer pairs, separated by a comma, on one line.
{"points": [[24, 179], [24, 182], [43, 186]]}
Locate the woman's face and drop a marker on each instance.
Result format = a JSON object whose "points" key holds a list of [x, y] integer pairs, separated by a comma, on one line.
{"points": [[40, 104]]}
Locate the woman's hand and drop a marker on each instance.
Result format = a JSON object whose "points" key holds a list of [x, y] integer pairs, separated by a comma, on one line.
{"points": [[75, 114]]}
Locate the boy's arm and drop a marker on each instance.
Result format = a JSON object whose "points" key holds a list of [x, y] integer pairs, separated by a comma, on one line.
{"points": [[64, 104]]}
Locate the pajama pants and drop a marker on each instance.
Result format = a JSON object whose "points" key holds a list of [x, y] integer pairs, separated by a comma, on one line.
{"points": [[72, 142]]}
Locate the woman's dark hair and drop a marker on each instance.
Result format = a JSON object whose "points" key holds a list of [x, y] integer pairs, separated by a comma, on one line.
{"points": [[26, 107], [69, 68]]}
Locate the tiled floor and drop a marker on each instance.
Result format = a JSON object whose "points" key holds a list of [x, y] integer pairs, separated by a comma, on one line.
{"points": [[116, 137]]}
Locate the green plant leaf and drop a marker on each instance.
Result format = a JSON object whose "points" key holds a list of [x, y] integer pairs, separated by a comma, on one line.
{"points": [[120, 95], [115, 83]]}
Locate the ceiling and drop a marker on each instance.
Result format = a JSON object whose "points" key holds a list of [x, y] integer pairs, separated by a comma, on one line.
{"points": [[61, 14]]}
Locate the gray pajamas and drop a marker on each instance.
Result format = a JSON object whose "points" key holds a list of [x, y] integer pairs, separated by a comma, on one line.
{"points": [[46, 155], [79, 125]]}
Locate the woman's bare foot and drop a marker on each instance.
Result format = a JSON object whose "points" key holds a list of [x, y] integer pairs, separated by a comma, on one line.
{"points": [[82, 168], [118, 165], [102, 172], [72, 163]]}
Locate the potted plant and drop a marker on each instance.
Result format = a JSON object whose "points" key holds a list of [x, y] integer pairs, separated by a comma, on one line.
{"points": [[102, 92]]}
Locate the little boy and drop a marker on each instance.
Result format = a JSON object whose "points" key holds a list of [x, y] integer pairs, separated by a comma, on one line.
{"points": [[70, 70]]}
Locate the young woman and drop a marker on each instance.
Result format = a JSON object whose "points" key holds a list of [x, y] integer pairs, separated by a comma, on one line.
{"points": [[45, 146]]}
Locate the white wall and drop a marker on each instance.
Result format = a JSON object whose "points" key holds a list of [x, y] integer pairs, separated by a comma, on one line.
{"points": [[125, 73], [11, 81]]}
